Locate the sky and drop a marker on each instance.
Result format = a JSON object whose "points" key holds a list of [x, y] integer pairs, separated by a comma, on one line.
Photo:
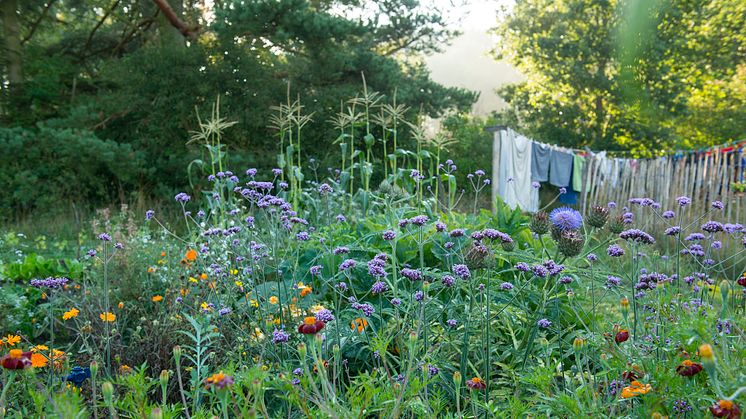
{"points": [[466, 62]]}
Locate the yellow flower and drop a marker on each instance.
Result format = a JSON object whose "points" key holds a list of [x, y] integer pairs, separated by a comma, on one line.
{"points": [[234, 271], [705, 351], [73, 312], [157, 298], [107, 317], [151, 269], [273, 300], [39, 348], [239, 284], [634, 389], [316, 308], [38, 360], [254, 303], [193, 279], [12, 340], [205, 307]]}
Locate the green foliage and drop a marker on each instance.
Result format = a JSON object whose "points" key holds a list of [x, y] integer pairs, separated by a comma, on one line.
{"points": [[35, 266], [60, 166], [626, 75]]}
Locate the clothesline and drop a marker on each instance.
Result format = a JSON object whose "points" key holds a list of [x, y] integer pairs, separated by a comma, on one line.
{"points": [[520, 165]]}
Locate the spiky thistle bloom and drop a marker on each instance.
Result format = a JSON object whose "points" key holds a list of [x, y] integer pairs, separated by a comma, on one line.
{"points": [[598, 216], [564, 219], [617, 224], [570, 243], [540, 223]]}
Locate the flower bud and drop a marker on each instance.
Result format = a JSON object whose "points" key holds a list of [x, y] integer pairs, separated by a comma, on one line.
{"points": [[578, 343], [457, 378], [107, 390], [302, 350], [177, 353], [164, 378], [94, 369]]}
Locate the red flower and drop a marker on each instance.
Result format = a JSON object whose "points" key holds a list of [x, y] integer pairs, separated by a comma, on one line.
{"points": [[725, 409], [742, 281], [16, 360], [621, 336], [310, 326], [476, 383], [688, 368]]}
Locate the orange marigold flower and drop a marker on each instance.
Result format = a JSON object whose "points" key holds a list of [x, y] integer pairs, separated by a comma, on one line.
{"points": [[38, 360], [107, 317], [121, 305], [12, 340], [203, 276], [310, 326], [688, 368], [621, 336], [360, 324], [476, 383], [725, 409], [151, 269], [16, 359], [305, 291], [218, 381], [273, 300], [634, 389], [73, 312], [157, 298]]}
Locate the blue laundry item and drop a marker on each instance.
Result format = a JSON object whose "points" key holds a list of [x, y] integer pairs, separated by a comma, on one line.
{"points": [[540, 162], [560, 168], [570, 197]]}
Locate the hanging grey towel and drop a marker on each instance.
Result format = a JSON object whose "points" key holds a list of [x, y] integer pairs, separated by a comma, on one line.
{"points": [[560, 168], [540, 162]]}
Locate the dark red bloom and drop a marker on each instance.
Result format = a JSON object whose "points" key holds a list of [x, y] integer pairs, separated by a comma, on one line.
{"points": [[725, 409], [742, 281], [16, 360], [310, 326], [688, 368], [632, 375], [476, 383], [621, 336]]}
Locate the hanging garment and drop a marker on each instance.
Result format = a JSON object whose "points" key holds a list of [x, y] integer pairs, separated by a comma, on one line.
{"points": [[540, 162], [515, 171], [570, 197], [560, 168], [578, 168]]}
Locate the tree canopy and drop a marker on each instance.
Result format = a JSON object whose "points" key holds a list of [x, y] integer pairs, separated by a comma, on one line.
{"points": [[136, 72], [632, 75]]}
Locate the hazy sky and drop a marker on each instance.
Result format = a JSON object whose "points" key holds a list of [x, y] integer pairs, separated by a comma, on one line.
{"points": [[466, 62]]}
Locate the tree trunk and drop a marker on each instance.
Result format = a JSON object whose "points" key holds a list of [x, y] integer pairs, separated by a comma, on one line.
{"points": [[13, 60]]}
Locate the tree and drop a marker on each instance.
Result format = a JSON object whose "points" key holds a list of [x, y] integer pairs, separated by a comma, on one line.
{"points": [[624, 75]]}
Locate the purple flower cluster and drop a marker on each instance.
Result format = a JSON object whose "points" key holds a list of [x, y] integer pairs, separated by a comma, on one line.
{"points": [[325, 315], [379, 287], [461, 271], [280, 336], [637, 235], [411, 274], [712, 226], [543, 323], [50, 283], [347, 264], [389, 235]]}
